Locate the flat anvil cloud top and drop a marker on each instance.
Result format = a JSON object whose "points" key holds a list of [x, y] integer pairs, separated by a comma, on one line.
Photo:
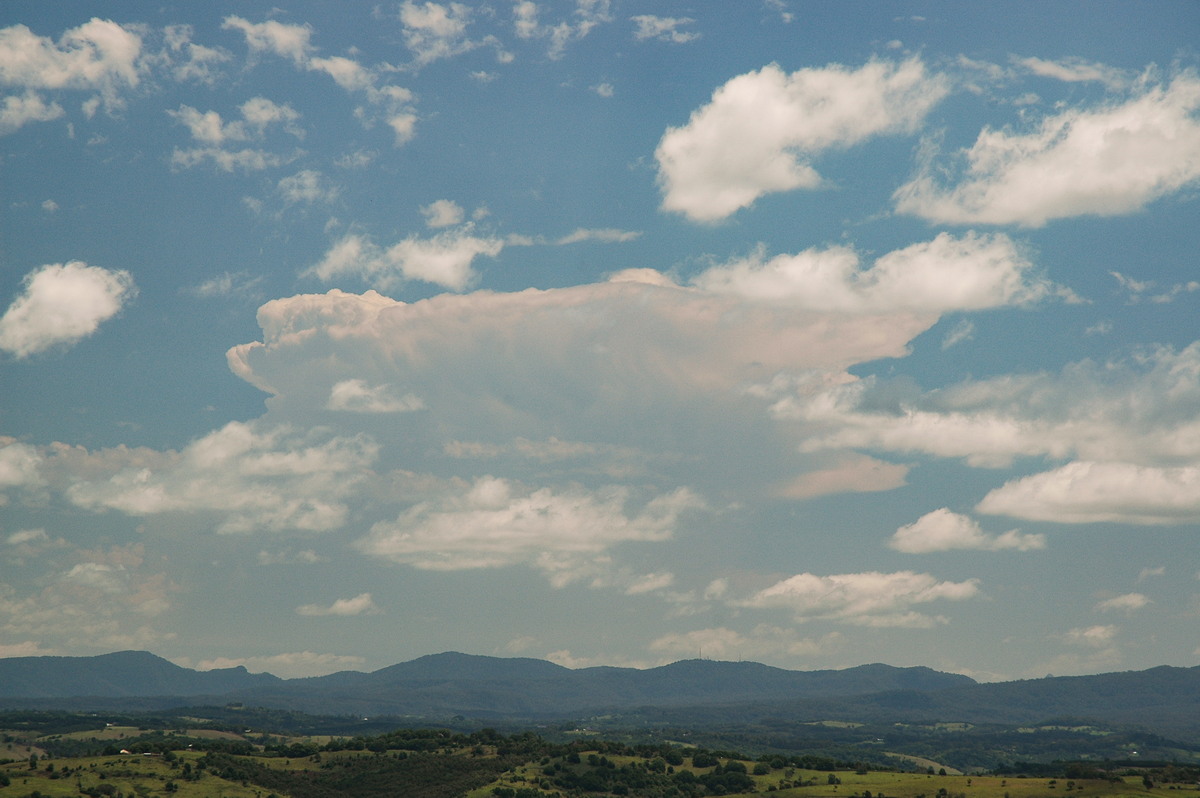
{"points": [[601, 331]]}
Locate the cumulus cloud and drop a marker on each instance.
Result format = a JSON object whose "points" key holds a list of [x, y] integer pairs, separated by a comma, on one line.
{"points": [[1138, 411], [1110, 160], [760, 132], [943, 530], [362, 604], [250, 478], [61, 304], [493, 522], [605, 235], [391, 104], [1087, 492], [445, 259], [215, 135], [91, 598], [852, 473], [19, 110], [443, 213], [864, 599], [973, 272], [435, 30], [356, 396], [306, 187], [99, 56], [19, 464]]}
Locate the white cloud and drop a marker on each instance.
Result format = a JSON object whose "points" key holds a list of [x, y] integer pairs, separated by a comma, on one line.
{"points": [[19, 110], [434, 30], [1098, 492], [763, 642], [664, 29], [943, 530], [1146, 573], [201, 62], [606, 235], [357, 396], [963, 331], [587, 15], [948, 273], [392, 104], [864, 599], [20, 464], [1075, 70], [289, 41], [306, 187], [444, 259], [213, 133], [442, 213], [246, 160], [99, 55], [61, 304], [1093, 636], [227, 284], [1141, 411], [852, 473], [362, 604], [760, 131], [1113, 160], [292, 665], [1129, 603], [250, 479], [493, 522], [98, 598]]}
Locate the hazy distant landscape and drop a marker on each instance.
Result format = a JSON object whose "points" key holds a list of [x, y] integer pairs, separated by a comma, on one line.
{"points": [[872, 713]]}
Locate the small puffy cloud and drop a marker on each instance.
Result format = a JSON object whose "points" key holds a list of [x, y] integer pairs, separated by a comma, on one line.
{"points": [[251, 479], [289, 41], [442, 213], [99, 56], [1112, 160], [943, 530], [390, 104], [435, 30], [20, 464], [1093, 636], [18, 110], [604, 89], [527, 23], [1146, 573], [493, 522], [1086, 492], [191, 61], [761, 130], [214, 135], [663, 29], [973, 272], [444, 259], [863, 599], [1128, 603], [359, 605], [292, 665], [763, 642], [306, 187], [356, 396], [61, 304]]}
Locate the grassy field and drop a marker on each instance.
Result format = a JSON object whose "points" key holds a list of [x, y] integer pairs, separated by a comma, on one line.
{"points": [[179, 775]]}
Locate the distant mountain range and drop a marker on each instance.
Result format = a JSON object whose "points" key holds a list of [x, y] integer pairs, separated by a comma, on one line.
{"points": [[443, 686]]}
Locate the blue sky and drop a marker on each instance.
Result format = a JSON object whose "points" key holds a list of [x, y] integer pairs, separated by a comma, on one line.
{"points": [[606, 332]]}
